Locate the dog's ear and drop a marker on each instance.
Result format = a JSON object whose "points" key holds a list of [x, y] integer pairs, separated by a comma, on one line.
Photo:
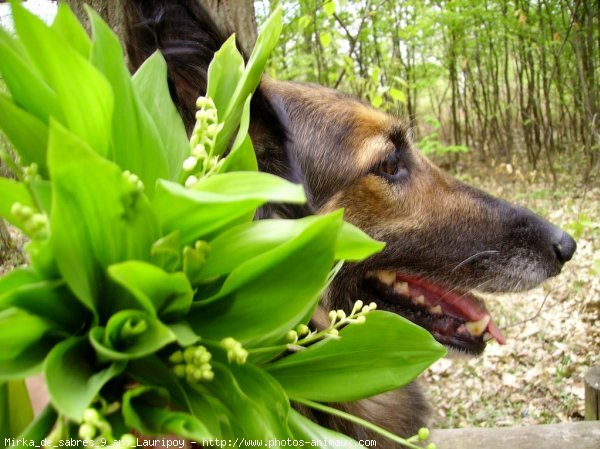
{"points": [[270, 130]]}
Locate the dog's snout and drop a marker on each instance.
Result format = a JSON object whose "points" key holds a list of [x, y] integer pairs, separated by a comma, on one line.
{"points": [[564, 247]]}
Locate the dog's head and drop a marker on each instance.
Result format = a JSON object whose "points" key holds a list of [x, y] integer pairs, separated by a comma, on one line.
{"points": [[443, 238]]}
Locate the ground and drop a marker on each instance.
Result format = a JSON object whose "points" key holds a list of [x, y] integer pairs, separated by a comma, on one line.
{"points": [[552, 332]]}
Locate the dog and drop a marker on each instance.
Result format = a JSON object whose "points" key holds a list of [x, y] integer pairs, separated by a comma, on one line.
{"points": [[443, 238]]}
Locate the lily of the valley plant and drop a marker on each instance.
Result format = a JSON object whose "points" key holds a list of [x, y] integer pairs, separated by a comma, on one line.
{"points": [[153, 303]]}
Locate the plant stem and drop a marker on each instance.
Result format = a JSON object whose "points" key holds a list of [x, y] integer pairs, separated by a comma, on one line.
{"points": [[357, 420]]}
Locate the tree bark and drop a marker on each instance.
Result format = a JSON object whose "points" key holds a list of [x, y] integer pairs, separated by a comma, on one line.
{"points": [[111, 11], [231, 16], [235, 16]]}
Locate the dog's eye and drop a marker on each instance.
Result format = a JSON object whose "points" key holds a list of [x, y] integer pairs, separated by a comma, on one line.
{"points": [[392, 168]]}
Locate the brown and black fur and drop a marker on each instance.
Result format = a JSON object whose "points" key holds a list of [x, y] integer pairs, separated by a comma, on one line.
{"points": [[340, 148]]}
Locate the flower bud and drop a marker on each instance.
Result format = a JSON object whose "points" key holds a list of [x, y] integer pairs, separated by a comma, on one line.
{"points": [[357, 306], [87, 431], [179, 370], [176, 357], [190, 163], [190, 181], [292, 337], [302, 329], [128, 440], [91, 415]]}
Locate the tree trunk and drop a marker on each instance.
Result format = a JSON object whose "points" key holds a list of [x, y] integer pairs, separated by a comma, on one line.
{"points": [[111, 11], [235, 16]]}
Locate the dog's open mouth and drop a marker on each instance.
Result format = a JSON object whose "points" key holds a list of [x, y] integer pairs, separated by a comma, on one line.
{"points": [[456, 319]]}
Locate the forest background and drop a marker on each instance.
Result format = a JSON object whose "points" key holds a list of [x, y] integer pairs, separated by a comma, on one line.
{"points": [[506, 96]]}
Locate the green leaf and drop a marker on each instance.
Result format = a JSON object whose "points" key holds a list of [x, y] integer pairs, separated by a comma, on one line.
{"points": [[384, 353], [28, 89], [13, 192], [41, 426], [152, 371], [86, 98], [329, 8], [136, 143], [255, 403], [398, 95], [19, 277], [157, 292], [49, 300], [94, 224], [25, 340], [243, 242], [146, 410], [304, 22], [73, 377], [218, 201], [150, 82], [265, 297], [15, 409], [353, 244], [224, 74], [242, 156], [68, 27], [376, 100], [310, 432], [325, 39], [166, 251], [42, 258], [266, 41], [184, 334], [130, 334], [26, 132]]}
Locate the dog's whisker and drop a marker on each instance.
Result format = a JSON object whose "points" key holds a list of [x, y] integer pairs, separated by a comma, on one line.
{"points": [[474, 256]]}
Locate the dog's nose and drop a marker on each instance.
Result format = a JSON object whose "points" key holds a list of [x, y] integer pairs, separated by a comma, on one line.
{"points": [[564, 247]]}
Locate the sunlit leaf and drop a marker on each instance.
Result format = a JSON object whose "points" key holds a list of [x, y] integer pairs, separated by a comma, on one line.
{"points": [[30, 145], [94, 224], [157, 292], [266, 296], [150, 82], [68, 27], [130, 334], [86, 99], [136, 144], [384, 353], [194, 213], [325, 39]]}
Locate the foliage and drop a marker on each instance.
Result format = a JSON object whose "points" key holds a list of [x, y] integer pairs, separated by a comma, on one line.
{"points": [[506, 78], [153, 302]]}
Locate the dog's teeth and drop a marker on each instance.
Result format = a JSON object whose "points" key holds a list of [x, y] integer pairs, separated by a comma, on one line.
{"points": [[478, 327], [421, 300], [401, 288], [487, 336], [435, 310], [387, 277]]}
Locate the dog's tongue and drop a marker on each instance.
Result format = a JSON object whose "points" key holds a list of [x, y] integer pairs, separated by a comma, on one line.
{"points": [[460, 305]]}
